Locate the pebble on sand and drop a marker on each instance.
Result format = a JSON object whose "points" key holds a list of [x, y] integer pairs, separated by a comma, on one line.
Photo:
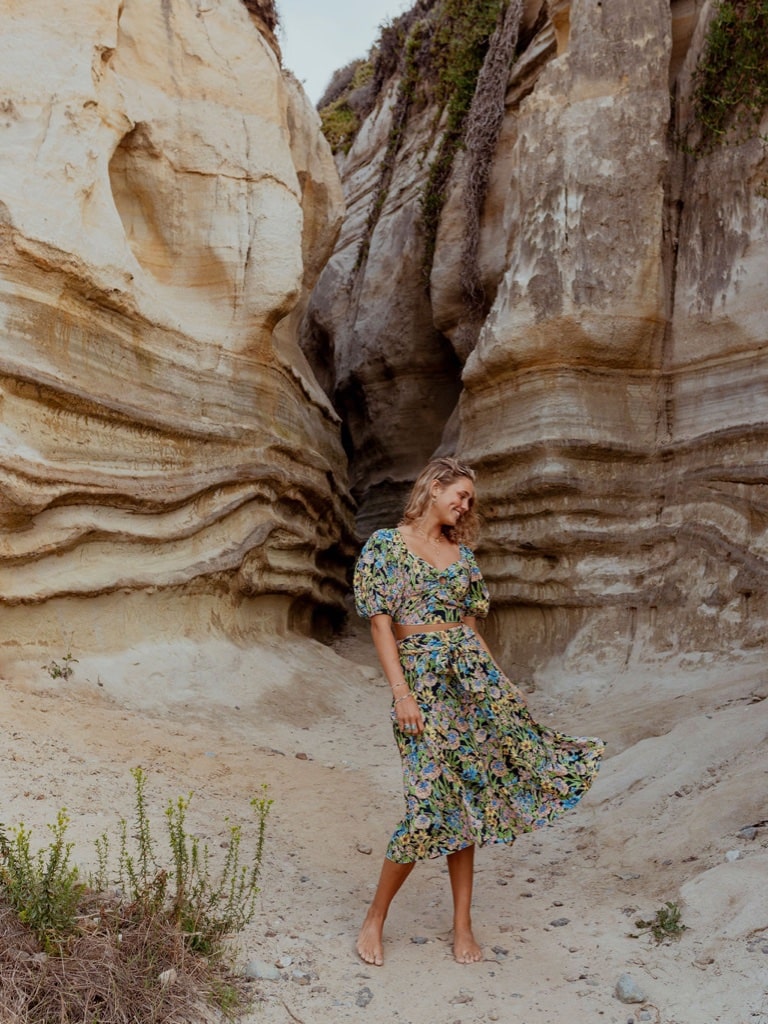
{"points": [[628, 991], [259, 970], [364, 996]]}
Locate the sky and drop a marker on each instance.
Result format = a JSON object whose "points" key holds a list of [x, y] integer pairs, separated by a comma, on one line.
{"points": [[319, 36]]}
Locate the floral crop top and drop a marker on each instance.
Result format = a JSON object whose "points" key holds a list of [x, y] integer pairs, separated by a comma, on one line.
{"points": [[390, 580]]}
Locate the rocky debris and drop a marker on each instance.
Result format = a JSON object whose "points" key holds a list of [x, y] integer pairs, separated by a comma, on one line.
{"points": [[168, 978], [462, 997], [628, 991], [260, 970], [364, 997]]}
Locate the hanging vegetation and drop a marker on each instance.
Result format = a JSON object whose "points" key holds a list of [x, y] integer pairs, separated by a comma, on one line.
{"points": [[483, 126], [731, 79], [460, 45], [437, 49], [264, 9], [340, 116], [417, 43]]}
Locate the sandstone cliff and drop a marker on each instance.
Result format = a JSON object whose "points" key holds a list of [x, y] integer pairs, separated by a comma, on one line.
{"points": [[595, 344], [166, 203]]}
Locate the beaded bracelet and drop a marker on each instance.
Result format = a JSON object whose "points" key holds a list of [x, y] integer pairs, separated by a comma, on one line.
{"points": [[404, 697]]}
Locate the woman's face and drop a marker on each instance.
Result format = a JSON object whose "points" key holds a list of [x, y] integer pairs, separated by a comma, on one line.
{"points": [[452, 501]]}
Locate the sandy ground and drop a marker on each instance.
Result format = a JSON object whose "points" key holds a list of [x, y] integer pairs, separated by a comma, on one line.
{"points": [[687, 768]]}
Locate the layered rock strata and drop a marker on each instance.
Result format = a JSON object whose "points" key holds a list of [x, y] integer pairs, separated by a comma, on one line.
{"points": [[166, 202], [612, 395], [618, 380], [562, 389]]}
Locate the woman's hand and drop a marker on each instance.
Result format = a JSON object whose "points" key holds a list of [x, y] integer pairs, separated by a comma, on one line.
{"points": [[408, 714]]}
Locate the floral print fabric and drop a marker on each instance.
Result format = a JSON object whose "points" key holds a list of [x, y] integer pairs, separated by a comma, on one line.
{"points": [[483, 771], [391, 580]]}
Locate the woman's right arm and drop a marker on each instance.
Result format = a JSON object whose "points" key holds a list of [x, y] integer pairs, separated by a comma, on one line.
{"points": [[406, 709]]}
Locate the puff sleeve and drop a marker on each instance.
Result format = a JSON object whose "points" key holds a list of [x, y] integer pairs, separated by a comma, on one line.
{"points": [[477, 600], [376, 577]]}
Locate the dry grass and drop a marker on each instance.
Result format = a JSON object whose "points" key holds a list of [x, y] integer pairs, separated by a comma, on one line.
{"points": [[264, 9], [110, 972]]}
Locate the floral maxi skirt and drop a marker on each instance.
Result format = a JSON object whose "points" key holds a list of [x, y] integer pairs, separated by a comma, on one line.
{"points": [[483, 771]]}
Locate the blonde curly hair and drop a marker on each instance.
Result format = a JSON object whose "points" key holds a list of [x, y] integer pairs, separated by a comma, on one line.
{"points": [[444, 471]]}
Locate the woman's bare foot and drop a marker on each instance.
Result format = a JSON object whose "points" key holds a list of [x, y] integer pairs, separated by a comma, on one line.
{"points": [[370, 947], [465, 949]]}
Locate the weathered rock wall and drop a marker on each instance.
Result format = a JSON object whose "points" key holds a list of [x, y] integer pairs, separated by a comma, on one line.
{"points": [[370, 334], [166, 203], [562, 388], [614, 401]]}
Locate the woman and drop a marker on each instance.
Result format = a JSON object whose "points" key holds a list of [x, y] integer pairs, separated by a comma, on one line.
{"points": [[477, 768]]}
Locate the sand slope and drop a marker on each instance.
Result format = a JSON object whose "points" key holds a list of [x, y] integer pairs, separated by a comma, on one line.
{"points": [[687, 768]]}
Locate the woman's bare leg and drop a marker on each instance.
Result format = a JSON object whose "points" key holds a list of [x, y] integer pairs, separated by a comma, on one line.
{"points": [[369, 942], [461, 869]]}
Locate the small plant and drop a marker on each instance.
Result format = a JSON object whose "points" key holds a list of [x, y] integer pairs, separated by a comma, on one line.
{"points": [[667, 923], [44, 889], [207, 908], [227, 997], [63, 669], [204, 906]]}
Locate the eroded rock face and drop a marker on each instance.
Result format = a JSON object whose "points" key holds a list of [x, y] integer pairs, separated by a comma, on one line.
{"points": [[383, 336], [613, 403], [166, 203], [562, 388], [393, 376], [613, 399]]}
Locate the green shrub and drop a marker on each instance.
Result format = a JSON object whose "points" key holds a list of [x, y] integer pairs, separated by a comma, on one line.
{"points": [[731, 79], [108, 950], [46, 892], [339, 125], [44, 888], [61, 669], [666, 923], [205, 906]]}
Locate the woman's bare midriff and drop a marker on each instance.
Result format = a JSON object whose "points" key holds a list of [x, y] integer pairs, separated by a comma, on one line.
{"points": [[402, 630]]}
